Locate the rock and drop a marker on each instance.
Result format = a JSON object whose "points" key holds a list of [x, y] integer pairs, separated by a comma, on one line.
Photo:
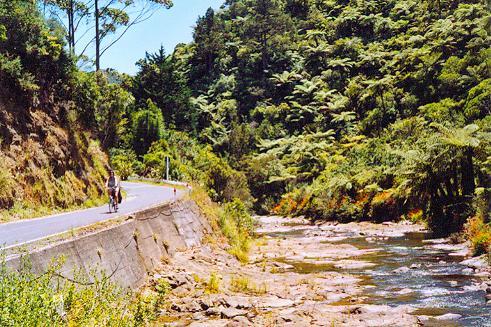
{"points": [[353, 264], [476, 263], [198, 316], [210, 323], [205, 303], [276, 303], [467, 271], [483, 274], [193, 306], [401, 270], [488, 303], [488, 290], [214, 311], [449, 316], [176, 307], [415, 266], [229, 313], [238, 302], [239, 321], [488, 297], [405, 291], [442, 262], [453, 283]]}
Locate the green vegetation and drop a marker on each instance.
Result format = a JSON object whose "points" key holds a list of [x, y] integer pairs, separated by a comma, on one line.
{"points": [[27, 299], [366, 110], [346, 110], [212, 285], [231, 220], [243, 284]]}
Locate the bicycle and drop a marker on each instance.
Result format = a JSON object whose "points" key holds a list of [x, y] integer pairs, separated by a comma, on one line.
{"points": [[113, 204]]}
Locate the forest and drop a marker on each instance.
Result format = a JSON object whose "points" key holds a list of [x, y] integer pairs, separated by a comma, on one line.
{"points": [[333, 109]]}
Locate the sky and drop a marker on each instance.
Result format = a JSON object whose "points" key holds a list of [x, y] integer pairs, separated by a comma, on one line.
{"points": [[166, 27]]}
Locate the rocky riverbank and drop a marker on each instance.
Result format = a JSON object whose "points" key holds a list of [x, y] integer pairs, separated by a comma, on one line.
{"points": [[301, 275]]}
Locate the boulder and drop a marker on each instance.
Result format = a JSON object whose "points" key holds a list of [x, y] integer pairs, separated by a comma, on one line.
{"points": [[449, 316]]}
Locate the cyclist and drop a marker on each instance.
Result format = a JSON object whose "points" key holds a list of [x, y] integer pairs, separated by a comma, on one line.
{"points": [[112, 186]]}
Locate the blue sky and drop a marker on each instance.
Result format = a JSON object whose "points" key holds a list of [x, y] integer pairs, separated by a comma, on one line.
{"points": [[165, 27]]}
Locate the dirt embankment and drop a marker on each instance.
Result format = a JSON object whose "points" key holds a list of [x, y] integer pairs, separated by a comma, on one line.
{"points": [[46, 160]]}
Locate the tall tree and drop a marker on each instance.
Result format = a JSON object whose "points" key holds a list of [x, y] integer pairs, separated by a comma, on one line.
{"points": [[108, 17]]}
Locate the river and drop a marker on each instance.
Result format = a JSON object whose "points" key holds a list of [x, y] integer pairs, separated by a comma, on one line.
{"points": [[329, 274]]}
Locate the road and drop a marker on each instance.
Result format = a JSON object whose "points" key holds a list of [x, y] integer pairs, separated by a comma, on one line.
{"points": [[139, 196]]}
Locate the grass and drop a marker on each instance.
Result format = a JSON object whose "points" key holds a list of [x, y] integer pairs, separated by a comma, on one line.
{"points": [[231, 220], [242, 284], [212, 286]]}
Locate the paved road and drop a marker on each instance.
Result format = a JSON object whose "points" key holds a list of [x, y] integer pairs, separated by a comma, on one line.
{"points": [[139, 196]]}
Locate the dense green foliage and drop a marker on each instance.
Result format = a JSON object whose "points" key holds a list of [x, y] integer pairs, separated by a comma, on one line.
{"points": [[339, 109]]}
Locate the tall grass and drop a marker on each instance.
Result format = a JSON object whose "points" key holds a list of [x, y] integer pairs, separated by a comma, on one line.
{"points": [[230, 220]]}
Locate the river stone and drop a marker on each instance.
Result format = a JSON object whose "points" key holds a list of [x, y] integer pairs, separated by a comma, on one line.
{"points": [[205, 303], [198, 316], [401, 270], [488, 290], [467, 271], [488, 297], [210, 323], [352, 264], [214, 311], [229, 313], [449, 316], [405, 291], [239, 321], [238, 302], [276, 303], [476, 263]]}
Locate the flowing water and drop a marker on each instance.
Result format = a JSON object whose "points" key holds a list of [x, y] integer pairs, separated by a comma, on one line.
{"points": [[432, 280]]}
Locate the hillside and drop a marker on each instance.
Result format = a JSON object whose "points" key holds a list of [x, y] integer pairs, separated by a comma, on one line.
{"points": [[47, 160], [345, 110]]}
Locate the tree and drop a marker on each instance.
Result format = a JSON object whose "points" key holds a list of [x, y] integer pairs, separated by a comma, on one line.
{"points": [[75, 12], [108, 17], [148, 127], [160, 78]]}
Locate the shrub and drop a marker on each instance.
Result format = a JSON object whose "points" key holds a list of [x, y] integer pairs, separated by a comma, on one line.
{"points": [[479, 234], [28, 299], [213, 284], [124, 162]]}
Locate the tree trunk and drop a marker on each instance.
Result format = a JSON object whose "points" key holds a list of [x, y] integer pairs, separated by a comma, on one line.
{"points": [[97, 37], [468, 184]]}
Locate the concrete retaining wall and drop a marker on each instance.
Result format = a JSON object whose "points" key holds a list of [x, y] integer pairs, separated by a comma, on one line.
{"points": [[130, 251]]}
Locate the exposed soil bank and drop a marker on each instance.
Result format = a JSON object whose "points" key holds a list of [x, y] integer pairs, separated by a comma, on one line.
{"points": [[357, 274]]}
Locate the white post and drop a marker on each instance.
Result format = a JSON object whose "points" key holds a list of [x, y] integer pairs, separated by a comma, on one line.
{"points": [[167, 164]]}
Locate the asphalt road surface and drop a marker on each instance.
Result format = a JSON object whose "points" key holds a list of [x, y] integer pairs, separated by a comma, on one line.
{"points": [[139, 196]]}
